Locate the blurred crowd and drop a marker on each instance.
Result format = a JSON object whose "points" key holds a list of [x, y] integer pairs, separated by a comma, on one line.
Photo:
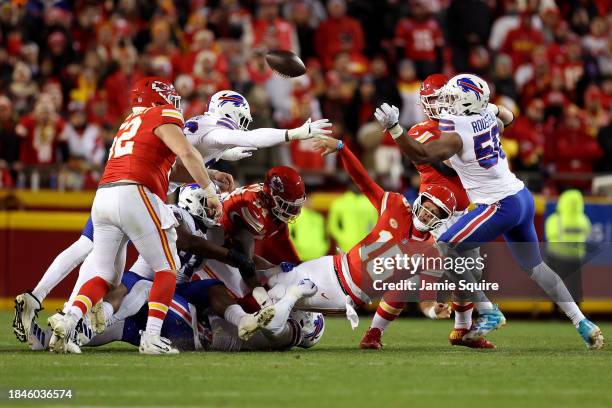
{"points": [[66, 70]]}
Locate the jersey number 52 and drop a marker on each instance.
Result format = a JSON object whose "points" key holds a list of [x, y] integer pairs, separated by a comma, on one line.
{"points": [[123, 143], [487, 148]]}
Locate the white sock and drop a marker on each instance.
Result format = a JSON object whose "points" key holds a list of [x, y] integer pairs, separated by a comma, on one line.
{"points": [[73, 316], [379, 322], [61, 266], [554, 287], [154, 325], [482, 306], [463, 319], [233, 314]]}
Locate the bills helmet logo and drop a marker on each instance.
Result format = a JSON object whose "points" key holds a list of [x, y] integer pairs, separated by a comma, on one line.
{"points": [[236, 100], [318, 327], [276, 185], [467, 85]]}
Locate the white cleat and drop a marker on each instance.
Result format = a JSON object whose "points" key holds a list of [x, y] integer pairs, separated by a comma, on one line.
{"points": [[251, 323], [26, 309], [155, 344], [61, 333], [96, 318]]}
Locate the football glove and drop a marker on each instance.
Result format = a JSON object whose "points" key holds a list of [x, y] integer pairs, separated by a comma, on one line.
{"points": [[238, 153], [310, 129]]}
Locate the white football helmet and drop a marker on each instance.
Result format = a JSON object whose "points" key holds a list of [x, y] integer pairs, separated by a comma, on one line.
{"points": [[464, 94], [313, 327], [192, 198], [231, 105]]}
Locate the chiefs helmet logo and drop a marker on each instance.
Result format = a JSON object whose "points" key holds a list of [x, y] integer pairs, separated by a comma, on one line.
{"points": [[165, 90], [276, 184]]}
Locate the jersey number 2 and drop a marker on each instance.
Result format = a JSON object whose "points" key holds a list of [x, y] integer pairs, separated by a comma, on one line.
{"points": [[123, 143], [487, 154]]}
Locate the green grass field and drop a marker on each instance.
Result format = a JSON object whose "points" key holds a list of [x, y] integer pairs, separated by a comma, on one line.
{"points": [[541, 364]]}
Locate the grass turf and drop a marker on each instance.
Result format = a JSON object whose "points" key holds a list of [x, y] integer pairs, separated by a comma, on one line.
{"points": [[537, 364]]}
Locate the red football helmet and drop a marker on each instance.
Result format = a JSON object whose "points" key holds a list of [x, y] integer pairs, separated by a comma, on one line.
{"points": [[153, 91], [426, 219], [430, 90], [286, 189]]}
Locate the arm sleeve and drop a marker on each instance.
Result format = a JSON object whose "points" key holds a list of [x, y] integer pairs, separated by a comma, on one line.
{"points": [[361, 178], [264, 137]]}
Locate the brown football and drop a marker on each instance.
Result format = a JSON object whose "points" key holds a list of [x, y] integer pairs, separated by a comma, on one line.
{"points": [[286, 63]]}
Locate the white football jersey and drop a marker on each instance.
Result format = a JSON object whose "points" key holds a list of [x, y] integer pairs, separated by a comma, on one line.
{"points": [[212, 136], [198, 128], [481, 164]]}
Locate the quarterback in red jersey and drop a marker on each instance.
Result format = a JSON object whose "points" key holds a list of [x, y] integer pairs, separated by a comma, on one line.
{"points": [[129, 205], [346, 280]]}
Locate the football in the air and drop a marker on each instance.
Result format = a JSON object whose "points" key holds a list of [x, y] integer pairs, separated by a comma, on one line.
{"points": [[286, 63]]}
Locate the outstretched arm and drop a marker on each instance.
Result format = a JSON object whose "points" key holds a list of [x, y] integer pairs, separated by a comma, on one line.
{"points": [[438, 150], [264, 137], [354, 168]]}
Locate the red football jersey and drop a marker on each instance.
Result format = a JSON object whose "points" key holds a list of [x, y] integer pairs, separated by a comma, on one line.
{"points": [[394, 226], [425, 132], [138, 154], [247, 204], [420, 38]]}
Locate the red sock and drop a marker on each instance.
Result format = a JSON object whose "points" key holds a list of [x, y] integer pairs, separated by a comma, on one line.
{"points": [[90, 293], [387, 312], [159, 300]]}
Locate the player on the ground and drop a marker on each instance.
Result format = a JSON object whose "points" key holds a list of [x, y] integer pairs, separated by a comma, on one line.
{"points": [[187, 326], [431, 175], [344, 280], [258, 212], [222, 132], [129, 204], [470, 129]]}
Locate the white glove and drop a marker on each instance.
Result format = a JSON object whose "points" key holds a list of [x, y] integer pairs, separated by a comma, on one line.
{"points": [[238, 153], [310, 129], [388, 117]]}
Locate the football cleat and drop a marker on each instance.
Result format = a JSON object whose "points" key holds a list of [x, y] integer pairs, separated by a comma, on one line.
{"points": [[371, 339], [456, 339], [38, 338], [61, 333], [487, 321], [155, 344], [96, 317], [82, 333], [27, 307], [591, 334], [251, 323]]}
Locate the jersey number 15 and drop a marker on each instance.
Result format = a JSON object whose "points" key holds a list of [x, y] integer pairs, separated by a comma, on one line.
{"points": [[487, 148]]}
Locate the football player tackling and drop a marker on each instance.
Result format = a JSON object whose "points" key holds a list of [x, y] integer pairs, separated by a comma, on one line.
{"points": [[470, 129]]}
